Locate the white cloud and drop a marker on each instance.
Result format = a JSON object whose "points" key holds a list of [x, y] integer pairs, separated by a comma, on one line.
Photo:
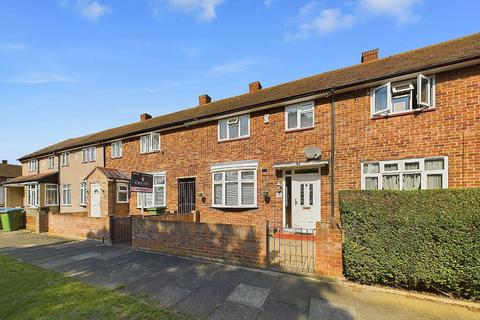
{"points": [[40, 78], [232, 67], [205, 10], [401, 10], [92, 10], [12, 46], [327, 21]]}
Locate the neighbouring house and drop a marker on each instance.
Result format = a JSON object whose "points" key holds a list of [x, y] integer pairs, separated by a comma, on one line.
{"points": [[7, 172], [407, 121]]}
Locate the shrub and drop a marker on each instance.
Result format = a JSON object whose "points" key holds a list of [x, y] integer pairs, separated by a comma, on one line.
{"points": [[425, 240]]}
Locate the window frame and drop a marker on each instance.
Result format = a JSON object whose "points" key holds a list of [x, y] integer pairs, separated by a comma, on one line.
{"points": [[83, 193], [402, 171], [89, 154], [297, 107], [227, 122], [239, 181], [65, 159], [67, 188], [33, 165], [51, 162], [410, 91], [144, 194], [119, 191], [33, 189], [150, 136], [116, 146], [47, 187]]}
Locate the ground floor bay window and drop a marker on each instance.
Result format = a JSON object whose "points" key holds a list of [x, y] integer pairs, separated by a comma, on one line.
{"points": [[407, 174], [33, 192]]}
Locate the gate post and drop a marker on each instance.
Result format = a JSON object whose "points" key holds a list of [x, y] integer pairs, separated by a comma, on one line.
{"points": [[267, 243], [112, 228]]}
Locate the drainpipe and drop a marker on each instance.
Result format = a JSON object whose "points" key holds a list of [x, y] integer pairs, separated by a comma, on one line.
{"points": [[332, 157]]}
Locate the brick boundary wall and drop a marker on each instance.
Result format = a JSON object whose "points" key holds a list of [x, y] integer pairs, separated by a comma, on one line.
{"points": [[243, 245], [328, 250], [79, 226], [189, 217]]}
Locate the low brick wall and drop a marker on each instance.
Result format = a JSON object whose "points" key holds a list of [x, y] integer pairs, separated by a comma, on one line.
{"points": [[190, 217], [244, 245], [328, 247], [79, 226]]}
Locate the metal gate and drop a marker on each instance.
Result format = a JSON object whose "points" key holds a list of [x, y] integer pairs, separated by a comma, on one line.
{"points": [[186, 195], [291, 250], [121, 230]]}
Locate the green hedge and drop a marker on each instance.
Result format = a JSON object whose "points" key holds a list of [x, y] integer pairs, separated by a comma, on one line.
{"points": [[426, 240]]}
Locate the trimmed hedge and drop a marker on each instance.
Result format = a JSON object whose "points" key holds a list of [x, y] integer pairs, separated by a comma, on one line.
{"points": [[426, 240]]}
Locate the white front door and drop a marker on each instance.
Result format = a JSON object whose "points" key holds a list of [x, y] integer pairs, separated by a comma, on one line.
{"points": [[95, 193], [305, 200]]}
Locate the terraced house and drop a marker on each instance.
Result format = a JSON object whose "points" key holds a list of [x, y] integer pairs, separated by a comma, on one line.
{"points": [[280, 154]]}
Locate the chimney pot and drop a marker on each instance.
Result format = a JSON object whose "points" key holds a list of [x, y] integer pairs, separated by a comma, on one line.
{"points": [[370, 55], [254, 86], [145, 116], [204, 99], [4, 161]]}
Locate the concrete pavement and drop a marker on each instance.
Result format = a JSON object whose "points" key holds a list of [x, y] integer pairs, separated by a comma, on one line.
{"points": [[214, 291]]}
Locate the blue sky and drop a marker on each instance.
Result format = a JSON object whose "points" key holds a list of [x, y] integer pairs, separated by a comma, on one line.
{"points": [[72, 67]]}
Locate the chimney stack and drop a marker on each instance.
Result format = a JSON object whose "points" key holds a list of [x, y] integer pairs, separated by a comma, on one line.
{"points": [[4, 161], [145, 116], [370, 55], [204, 99], [254, 86]]}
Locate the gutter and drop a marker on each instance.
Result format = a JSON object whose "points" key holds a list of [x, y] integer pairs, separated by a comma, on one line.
{"points": [[332, 158], [367, 83]]}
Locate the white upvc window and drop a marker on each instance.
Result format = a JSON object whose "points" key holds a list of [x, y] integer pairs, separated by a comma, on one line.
{"points": [[66, 194], [122, 192], [157, 198], [403, 96], [116, 149], [33, 199], [89, 154], [33, 165], [65, 159], [150, 142], [299, 116], [234, 128], [51, 194], [51, 162], [83, 193], [408, 174], [234, 185]]}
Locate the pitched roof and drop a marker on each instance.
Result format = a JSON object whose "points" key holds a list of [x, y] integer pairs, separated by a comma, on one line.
{"points": [[113, 174], [45, 177], [442, 54], [10, 170]]}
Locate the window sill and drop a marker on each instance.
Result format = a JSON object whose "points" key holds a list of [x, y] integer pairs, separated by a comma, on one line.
{"points": [[82, 205], [123, 202], [51, 205], [236, 139], [297, 130], [113, 158], [150, 152], [235, 207], [403, 113]]}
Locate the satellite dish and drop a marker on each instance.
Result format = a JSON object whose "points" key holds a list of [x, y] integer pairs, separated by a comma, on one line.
{"points": [[312, 152]]}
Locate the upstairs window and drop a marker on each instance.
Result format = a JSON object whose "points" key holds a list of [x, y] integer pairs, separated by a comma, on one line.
{"points": [[150, 142], [89, 154], [403, 96], [33, 165], [65, 159], [299, 116], [409, 174], [51, 162], [51, 194], [116, 148], [234, 128]]}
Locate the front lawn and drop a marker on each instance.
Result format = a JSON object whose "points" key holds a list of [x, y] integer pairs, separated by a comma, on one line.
{"points": [[28, 292]]}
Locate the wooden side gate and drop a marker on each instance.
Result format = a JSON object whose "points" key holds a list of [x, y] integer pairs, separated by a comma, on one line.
{"points": [[121, 230]]}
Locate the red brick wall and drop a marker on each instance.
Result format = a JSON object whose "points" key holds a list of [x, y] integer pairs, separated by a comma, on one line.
{"points": [[452, 129], [79, 226], [221, 242], [328, 250]]}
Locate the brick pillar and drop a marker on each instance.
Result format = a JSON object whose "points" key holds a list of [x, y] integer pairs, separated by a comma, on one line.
{"points": [[42, 221], [328, 250]]}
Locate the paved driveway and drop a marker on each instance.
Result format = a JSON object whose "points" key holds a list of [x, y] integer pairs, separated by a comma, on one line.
{"points": [[214, 291]]}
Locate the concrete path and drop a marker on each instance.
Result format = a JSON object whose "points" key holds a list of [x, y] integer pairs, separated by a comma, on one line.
{"points": [[213, 291]]}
